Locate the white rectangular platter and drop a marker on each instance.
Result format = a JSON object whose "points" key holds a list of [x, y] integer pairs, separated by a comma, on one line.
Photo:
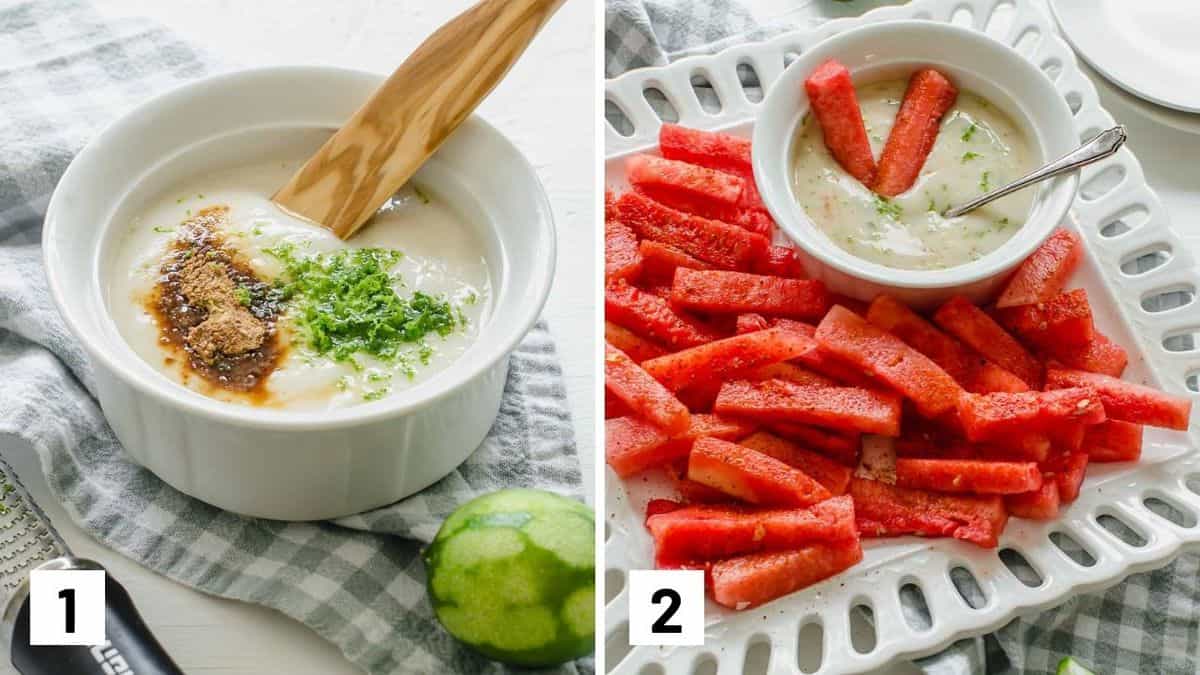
{"points": [[1143, 286]]}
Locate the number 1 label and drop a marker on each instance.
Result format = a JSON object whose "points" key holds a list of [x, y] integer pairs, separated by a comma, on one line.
{"points": [[66, 607], [666, 607], [68, 596]]}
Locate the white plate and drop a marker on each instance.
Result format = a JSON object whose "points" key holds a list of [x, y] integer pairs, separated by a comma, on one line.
{"points": [[1148, 48], [1121, 220], [1169, 117]]}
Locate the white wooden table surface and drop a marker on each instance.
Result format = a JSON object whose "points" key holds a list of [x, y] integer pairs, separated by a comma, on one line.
{"points": [[546, 106]]}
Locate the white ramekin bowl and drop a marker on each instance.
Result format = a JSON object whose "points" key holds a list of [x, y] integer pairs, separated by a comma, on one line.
{"points": [[894, 49], [277, 463]]}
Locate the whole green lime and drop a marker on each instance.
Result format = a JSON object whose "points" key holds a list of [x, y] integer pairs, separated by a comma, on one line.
{"points": [[511, 575]]}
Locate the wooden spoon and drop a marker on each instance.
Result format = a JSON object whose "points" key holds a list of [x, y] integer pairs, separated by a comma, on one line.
{"points": [[412, 113]]}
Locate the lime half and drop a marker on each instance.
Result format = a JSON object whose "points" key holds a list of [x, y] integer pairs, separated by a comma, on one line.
{"points": [[511, 575]]}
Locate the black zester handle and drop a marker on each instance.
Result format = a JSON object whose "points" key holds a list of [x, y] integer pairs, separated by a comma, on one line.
{"points": [[131, 649]]}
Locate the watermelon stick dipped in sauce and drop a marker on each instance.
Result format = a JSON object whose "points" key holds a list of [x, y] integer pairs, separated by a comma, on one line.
{"points": [[835, 105], [928, 97], [935, 150]]}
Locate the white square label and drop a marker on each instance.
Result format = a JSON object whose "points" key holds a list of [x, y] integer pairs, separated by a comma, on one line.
{"points": [[666, 607], [66, 607]]}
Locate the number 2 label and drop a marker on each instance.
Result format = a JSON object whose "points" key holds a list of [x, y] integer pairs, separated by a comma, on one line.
{"points": [[666, 607], [671, 597]]}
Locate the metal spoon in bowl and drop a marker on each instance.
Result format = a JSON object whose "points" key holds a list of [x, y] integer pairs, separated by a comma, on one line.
{"points": [[1103, 144]]}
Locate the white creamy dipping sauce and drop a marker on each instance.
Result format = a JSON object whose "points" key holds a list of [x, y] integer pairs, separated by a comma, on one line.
{"points": [[978, 148], [443, 256]]}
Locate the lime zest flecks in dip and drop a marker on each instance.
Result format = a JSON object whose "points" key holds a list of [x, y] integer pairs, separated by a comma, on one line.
{"points": [[911, 230], [888, 208], [375, 394], [344, 304]]}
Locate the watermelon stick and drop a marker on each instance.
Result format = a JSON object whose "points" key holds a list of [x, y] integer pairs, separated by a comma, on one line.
{"points": [[641, 392], [751, 475], [975, 373], [1044, 273], [965, 475], [1114, 441], [1040, 504], [753, 579], [884, 510], [696, 190], [829, 473], [728, 357], [633, 445], [723, 245], [927, 99], [888, 358], [980, 332], [696, 533], [718, 291], [844, 408], [1127, 401], [835, 105], [652, 317]]}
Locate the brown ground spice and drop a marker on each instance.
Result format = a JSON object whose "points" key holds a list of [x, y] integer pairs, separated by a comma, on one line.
{"points": [[212, 306]]}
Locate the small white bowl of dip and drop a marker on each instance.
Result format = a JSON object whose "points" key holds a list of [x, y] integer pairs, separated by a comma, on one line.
{"points": [[982, 69], [334, 440]]}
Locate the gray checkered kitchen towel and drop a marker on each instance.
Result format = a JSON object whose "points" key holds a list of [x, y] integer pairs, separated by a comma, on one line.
{"points": [[1148, 624], [65, 72]]}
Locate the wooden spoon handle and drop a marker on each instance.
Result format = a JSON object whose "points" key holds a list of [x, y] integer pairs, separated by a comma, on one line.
{"points": [[409, 117]]}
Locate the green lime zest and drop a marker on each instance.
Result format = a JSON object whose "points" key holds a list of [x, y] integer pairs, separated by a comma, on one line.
{"points": [[344, 303], [243, 296], [376, 394], [886, 207]]}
